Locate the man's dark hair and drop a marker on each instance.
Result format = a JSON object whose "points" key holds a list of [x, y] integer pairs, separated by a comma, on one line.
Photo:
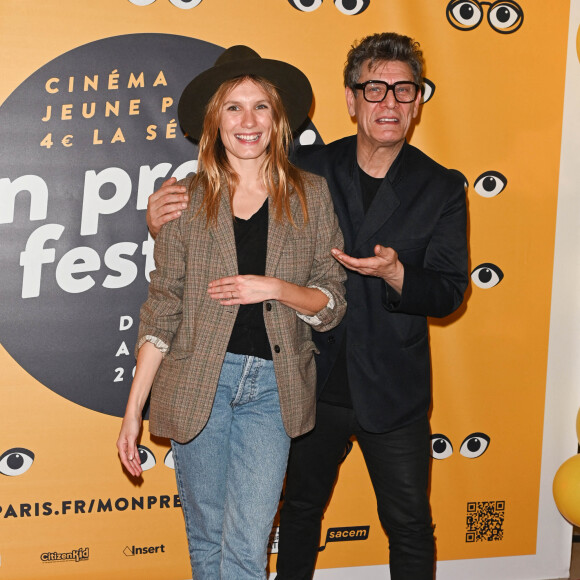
{"points": [[385, 46]]}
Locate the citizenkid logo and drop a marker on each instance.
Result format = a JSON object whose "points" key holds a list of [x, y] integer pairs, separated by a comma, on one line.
{"points": [[349, 534], [73, 556]]}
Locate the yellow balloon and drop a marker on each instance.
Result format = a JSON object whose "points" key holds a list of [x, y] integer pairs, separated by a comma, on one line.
{"points": [[566, 489]]}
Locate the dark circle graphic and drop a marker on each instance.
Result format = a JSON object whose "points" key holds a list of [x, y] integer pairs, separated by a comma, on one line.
{"points": [[15, 462], [503, 14], [466, 11], [85, 140], [474, 445], [485, 275], [84, 137], [488, 184]]}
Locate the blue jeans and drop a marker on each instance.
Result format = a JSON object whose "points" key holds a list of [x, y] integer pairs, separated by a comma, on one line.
{"points": [[230, 476]]}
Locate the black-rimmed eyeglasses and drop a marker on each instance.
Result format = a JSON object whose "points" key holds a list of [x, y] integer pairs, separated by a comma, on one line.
{"points": [[376, 91]]}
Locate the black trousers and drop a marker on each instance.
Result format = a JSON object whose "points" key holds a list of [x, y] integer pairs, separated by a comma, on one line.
{"points": [[398, 465]]}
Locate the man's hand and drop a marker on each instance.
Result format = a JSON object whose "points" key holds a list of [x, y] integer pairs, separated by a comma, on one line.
{"points": [[165, 205], [384, 264]]}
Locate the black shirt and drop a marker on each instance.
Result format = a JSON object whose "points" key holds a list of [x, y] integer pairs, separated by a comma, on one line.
{"points": [[249, 336], [336, 390]]}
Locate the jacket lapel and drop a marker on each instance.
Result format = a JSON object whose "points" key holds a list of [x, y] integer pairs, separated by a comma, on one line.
{"points": [[384, 204], [278, 233], [352, 207], [223, 234]]}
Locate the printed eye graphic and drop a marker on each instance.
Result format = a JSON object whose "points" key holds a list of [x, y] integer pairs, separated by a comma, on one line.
{"points": [[352, 7], [185, 4], [141, 2], [146, 456], [486, 276], [490, 184], [16, 461], [168, 461], [474, 445], [428, 90], [441, 447], [464, 14], [505, 17], [306, 5]]}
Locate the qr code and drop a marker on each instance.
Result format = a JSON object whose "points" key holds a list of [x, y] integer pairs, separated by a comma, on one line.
{"points": [[485, 521]]}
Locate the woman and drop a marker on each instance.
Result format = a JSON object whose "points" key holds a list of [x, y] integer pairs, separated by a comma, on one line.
{"points": [[224, 341]]}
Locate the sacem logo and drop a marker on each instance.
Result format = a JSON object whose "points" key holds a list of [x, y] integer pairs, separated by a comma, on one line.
{"points": [[348, 534], [73, 556]]}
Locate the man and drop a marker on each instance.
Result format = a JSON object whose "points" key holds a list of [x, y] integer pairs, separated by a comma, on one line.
{"points": [[403, 217]]}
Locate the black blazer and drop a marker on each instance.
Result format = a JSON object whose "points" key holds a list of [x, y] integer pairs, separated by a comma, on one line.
{"points": [[422, 215]]}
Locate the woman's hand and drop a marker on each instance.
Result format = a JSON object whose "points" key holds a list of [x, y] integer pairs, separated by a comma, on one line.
{"points": [[127, 444], [248, 289]]}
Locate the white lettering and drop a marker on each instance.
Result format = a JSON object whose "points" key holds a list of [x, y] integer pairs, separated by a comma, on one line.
{"points": [[38, 190], [185, 169], [123, 350], [126, 268], [75, 261], [147, 177], [35, 254], [94, 205]]}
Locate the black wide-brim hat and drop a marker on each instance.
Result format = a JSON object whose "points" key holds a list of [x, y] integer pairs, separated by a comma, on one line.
{"points": [[293, 86]]}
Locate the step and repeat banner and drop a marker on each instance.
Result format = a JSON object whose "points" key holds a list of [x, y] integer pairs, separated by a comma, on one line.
{"points": [[88, 130]]}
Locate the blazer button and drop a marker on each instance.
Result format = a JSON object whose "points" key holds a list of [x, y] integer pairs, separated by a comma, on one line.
{"points": [[276, 348], [268, 306], [331, 340]]}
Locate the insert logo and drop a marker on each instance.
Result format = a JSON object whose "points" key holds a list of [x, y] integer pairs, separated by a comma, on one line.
{"points": [[74, 556], [143, 550], [348, 534]]}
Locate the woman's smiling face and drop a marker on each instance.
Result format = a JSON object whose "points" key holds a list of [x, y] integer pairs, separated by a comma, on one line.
{"points": [[246, 122]]}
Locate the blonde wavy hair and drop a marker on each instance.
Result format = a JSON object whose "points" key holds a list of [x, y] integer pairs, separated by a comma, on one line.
{"points": [[280, 177]]}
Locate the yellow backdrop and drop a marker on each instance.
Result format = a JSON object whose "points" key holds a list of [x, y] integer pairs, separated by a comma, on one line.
{"points": [[495, 115]]}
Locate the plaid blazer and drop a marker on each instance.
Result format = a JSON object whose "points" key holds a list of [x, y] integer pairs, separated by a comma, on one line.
{"points": [[179, 311]]}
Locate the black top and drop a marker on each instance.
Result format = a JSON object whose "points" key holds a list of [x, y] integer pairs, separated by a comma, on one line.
{"points": [[249, 336], [336, 390]]}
